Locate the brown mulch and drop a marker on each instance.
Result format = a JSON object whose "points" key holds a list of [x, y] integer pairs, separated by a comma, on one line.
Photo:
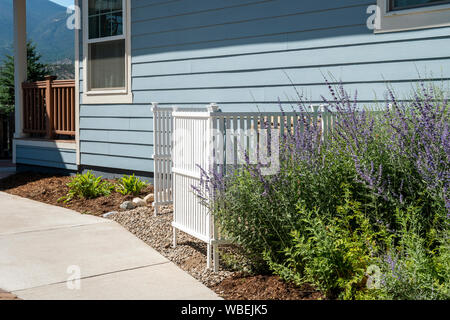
{"points": [[263, 287], [157, 232], [49, 188], [7, 296]]}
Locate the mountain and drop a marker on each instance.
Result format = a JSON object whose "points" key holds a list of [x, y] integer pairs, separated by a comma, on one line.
{"points": [[46, 26]]}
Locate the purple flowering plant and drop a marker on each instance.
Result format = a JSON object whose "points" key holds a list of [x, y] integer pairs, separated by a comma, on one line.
{"points": [[384, 160]]}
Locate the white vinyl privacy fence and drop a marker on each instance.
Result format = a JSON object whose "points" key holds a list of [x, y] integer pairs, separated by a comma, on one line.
{"points": [[189, 139], [162, 157]]}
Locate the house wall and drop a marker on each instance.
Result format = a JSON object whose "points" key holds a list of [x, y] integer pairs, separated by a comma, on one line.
{"points": [[249, 55], [52, 157]]}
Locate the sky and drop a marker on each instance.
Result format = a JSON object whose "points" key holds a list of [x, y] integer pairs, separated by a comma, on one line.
{"points": [[64, 3]]}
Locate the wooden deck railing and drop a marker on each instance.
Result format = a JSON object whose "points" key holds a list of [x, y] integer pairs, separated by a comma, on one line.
{"points": [[49, 107]]}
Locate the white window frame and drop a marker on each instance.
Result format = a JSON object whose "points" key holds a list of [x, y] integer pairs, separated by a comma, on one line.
{"points": [[432, 16], [107, 96]]}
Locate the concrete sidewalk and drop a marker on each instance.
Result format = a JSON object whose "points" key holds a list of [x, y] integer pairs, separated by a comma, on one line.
{"points": [[43, 246]]}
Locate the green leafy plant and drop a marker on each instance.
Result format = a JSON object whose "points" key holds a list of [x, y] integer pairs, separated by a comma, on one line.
{"points": [[233, 258], [130, 185], [87, 186], [412, 269], [331, 252]]}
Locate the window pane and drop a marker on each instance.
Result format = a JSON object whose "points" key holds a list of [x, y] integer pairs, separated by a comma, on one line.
{"points": [[404, 4], [116, 5], [111, 24], [98, 6], [94, 23], [107, 65], [105, 18]]}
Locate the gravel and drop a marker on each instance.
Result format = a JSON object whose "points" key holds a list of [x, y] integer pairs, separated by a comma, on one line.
{"points": [[190, 253]]}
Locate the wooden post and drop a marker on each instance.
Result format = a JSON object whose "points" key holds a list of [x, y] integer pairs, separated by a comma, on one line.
{"points": [[49, 105], [20, 61]]}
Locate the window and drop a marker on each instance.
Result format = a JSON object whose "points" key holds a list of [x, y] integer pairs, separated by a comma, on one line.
{"points": [[106, 51], [401, 15], [408, 4], [105, 18], [107, 65]]}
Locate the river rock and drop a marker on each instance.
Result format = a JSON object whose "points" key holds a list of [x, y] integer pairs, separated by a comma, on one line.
{"points": [[150, 198], [127, 205], [138, 202]]}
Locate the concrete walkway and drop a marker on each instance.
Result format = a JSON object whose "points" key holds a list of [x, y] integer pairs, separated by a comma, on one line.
{"points": [[43, 246]]}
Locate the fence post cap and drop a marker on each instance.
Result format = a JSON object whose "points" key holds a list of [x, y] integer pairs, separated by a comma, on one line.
{"points": [[50, 78], [213, 107], [154, 106]]}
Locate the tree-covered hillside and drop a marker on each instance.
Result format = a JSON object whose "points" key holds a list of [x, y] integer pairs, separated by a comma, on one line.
{"points": [[46, 26]]}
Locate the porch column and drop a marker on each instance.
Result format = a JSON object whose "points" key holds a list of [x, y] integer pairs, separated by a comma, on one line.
{"points": [[20, 61]]}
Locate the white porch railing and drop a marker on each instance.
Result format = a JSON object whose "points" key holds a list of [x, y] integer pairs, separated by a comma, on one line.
{"points": [[188, 138]]}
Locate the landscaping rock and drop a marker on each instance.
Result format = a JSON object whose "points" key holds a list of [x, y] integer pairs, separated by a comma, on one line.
{"points": [[167, 211], [127, 205], [106, 215], [190, 254], [139, 202], [150, 198]]}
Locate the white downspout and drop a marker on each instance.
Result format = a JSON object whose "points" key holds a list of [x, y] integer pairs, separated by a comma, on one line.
{"points": [[77, 81]]}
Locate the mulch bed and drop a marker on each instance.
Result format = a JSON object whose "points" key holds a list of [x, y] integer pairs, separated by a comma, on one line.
{"points": [[263, 287], [7, 296], [190, 255], [49, 188]]}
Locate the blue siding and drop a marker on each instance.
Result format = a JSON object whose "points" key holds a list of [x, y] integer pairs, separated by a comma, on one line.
{"points": [[117, 136], [245, 53], [47, 157]]}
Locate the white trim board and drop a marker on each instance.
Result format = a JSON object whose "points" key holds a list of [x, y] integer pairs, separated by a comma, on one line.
{"points": [[107, 96], [433, 16], [77, 85], [45, 144]]}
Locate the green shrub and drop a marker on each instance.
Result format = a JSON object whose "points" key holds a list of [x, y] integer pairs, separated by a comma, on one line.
{"points": [[250, 220], [330, 252], [130, 185], [410, 269], [260, 214], [87, 186]]}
